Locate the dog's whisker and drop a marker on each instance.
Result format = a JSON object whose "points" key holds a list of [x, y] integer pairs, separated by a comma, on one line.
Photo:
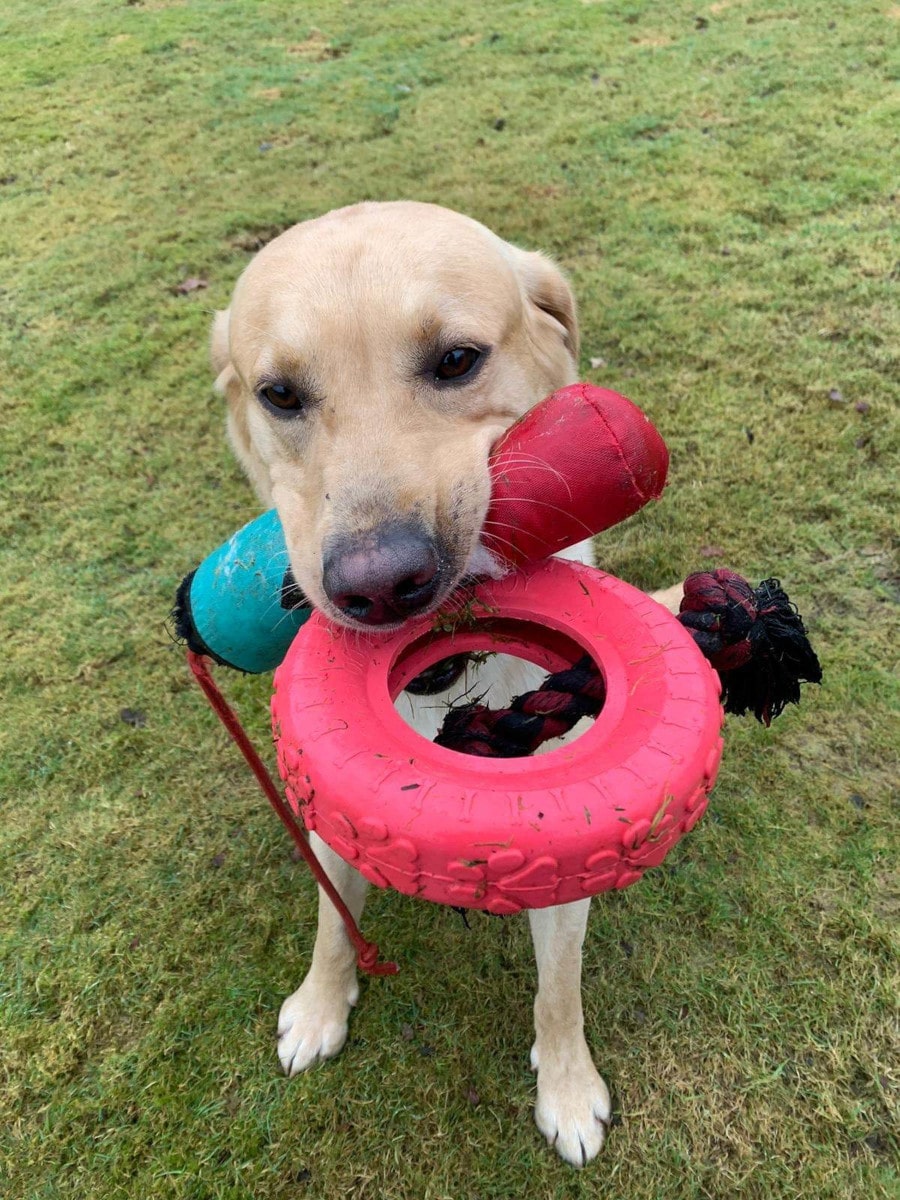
{"points": [[545, 504], [525, 462], [495, 537], [276, 559], [285, 614]]}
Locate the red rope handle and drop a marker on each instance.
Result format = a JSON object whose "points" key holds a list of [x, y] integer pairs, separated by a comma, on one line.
{"points": [[366, 952]]}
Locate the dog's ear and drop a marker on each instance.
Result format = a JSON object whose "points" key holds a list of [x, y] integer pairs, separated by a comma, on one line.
{"points": [[548, 290], [220, 355]]}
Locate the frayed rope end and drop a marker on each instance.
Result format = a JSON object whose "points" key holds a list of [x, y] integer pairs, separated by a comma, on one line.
{"points": [[754, 637]]}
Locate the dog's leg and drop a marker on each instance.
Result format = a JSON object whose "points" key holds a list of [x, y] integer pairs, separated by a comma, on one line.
{"points": [[573, 1108], [312, 1024], [670, 597]]}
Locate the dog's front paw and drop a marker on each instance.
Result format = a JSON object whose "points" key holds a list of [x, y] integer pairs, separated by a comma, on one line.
{"points": [[312, 1024], [573, 1108]]}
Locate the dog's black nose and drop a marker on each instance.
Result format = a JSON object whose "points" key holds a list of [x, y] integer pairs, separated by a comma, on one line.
{"points": [[381, 576]]}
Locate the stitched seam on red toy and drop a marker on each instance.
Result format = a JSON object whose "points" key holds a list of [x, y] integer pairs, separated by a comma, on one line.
{"points": [[618, 445]]}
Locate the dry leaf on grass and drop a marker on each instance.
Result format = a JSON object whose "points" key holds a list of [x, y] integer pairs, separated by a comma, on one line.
{"points": [[191, 284]]}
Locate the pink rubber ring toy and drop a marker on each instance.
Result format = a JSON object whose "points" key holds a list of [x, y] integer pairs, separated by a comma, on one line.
{"points": [[491, 833]]}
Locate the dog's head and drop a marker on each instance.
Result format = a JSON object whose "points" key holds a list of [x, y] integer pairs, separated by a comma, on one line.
{"points": [[371, 358]]}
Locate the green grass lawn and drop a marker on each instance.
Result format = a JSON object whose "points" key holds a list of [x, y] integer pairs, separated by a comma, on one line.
{"points": [[718, 181]]}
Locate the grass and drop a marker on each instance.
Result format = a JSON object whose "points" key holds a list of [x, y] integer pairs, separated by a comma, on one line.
{"points": [[717, 179]]}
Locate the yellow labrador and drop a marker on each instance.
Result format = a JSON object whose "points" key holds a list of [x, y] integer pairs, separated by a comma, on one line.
{"points": [[370, 359]]}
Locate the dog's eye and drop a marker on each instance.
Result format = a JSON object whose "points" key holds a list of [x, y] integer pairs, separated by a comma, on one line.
{"points": [[281, 397], [457, 362]]}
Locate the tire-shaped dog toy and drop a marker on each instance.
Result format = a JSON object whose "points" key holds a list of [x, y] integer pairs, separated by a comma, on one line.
{"points": [[504, 834]]}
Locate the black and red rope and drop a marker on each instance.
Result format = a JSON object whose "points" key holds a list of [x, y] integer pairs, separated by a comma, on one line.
{"points": [[755, 639], [533, 718]]}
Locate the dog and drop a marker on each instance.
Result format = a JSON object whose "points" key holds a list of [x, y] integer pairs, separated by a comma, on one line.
{"points": [[370, 359]]}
